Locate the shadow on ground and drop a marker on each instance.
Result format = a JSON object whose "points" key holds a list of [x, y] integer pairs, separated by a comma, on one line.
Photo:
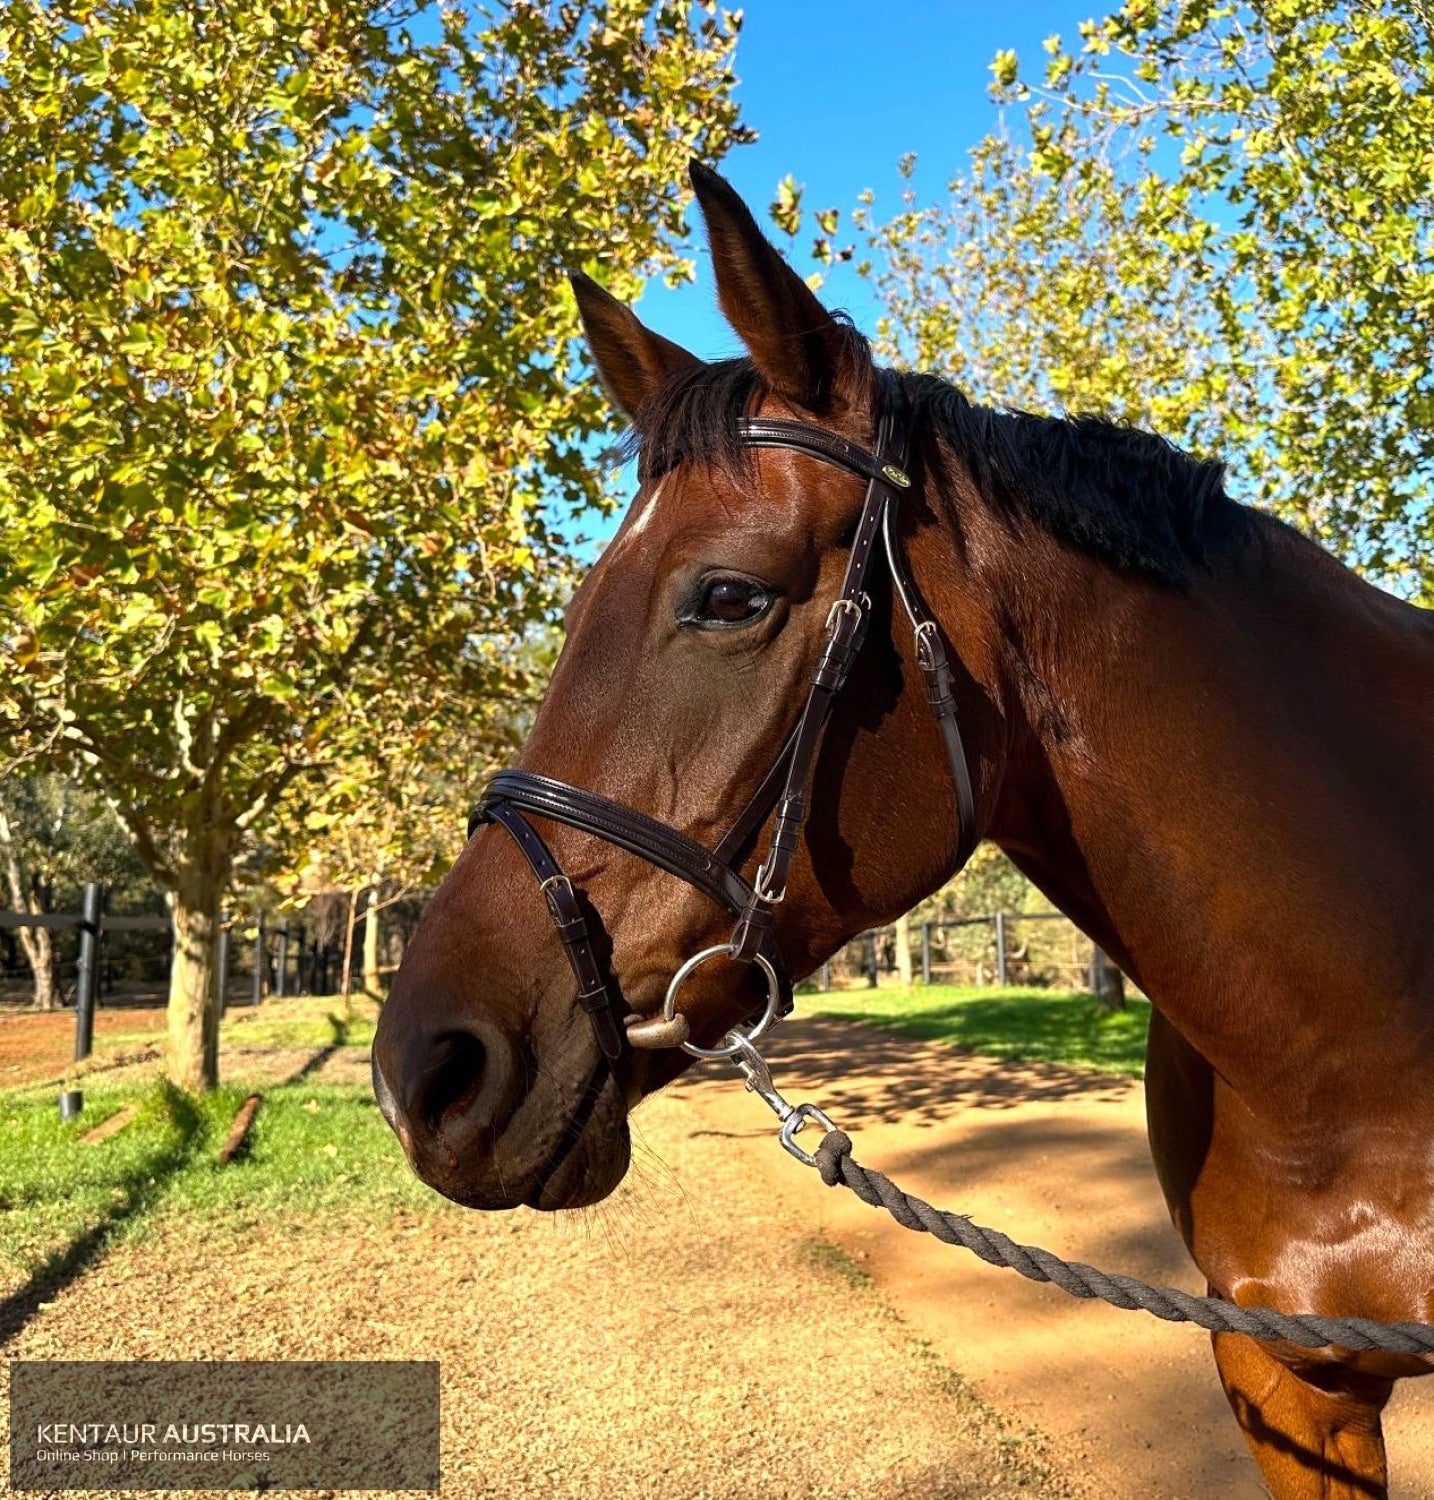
{"points": [[134, 1192], [864, 1075], [867, 1078]]}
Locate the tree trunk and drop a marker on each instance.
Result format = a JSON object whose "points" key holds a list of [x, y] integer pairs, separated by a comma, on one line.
{"points": [[192, 1057], [1107, 981], [348, 966], [903, 948], [371, 981], [38, 945]]}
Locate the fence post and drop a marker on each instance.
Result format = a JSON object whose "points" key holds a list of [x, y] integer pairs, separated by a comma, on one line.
{"points": [[1001, 949], [221, 965], [926, 953], [91, 915], [871, 980], [826, 979], [282, 963], [259, 959]]}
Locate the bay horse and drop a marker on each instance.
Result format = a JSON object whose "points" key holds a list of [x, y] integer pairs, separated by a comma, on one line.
{"points": [[1206, 740]]}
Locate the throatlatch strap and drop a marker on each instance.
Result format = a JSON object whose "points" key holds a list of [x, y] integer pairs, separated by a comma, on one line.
{"points": [[933, 658]]}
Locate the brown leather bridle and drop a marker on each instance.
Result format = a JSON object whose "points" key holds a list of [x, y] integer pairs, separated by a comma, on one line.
{"points": [[512, 794]]}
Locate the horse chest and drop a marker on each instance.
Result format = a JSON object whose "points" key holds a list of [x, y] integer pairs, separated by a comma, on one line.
{"points": [[1338, 1222]]}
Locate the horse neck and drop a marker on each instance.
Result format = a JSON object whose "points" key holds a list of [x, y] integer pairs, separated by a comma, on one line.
{"points": [[1185, 772]]}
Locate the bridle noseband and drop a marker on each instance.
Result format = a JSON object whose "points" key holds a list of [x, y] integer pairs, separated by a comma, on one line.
{"points": [[512, 794]]}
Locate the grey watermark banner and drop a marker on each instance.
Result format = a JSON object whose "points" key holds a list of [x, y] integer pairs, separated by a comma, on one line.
{"points": [[158, 1425]]}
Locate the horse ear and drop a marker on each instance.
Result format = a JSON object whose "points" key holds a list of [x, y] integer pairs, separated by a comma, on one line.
{"points": [[632, 361], [800, 349]]}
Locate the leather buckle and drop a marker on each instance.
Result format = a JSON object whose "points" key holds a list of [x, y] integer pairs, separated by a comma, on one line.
{"points": [[855, 607], [759, 884]]}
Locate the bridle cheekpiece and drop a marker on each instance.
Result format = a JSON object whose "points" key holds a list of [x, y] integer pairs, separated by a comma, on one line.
{"points": [[513, 796]]}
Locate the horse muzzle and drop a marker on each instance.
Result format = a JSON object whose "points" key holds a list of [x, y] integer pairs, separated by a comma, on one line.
{"points": [[488, 1124]]}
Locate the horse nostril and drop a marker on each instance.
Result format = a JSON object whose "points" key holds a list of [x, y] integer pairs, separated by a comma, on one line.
{"points": [[453, 1082], [453, 1087]]}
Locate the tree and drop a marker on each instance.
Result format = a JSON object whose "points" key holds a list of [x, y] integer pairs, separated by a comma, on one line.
{"points": [[390, 826], [1106, 981], [286, 418], [1213, 222], [1036, 293], [393, 825], [1212, 219], [55, 836]]}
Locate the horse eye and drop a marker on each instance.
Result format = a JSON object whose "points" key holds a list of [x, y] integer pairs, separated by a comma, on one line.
{"points": [[731, 601]]}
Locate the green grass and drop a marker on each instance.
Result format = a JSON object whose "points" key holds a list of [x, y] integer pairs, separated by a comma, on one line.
{"points": [[1056, 1026], [313, 1150], [318, 1149], [55, 1191], [313, 1021], [821, 1252], [323, 1149]]}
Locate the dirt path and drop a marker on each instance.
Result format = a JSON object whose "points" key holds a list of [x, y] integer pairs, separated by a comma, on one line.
{"points": [[36, 1045], [704, 1335], [1053, 1158], [684, 1341]]}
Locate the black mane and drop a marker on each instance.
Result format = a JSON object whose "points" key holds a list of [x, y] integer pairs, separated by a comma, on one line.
{"points": [[1125, 496]]}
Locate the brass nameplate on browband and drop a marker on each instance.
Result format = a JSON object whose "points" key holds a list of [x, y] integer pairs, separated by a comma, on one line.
{"points": [[897, 476]]}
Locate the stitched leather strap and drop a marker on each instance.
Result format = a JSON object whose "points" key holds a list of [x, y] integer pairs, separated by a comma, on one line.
{"points": [[739, 836], [933, 658], [594, 995], [512, 790], [882, 466], [847, 625], [784, 788], [621, 825]]}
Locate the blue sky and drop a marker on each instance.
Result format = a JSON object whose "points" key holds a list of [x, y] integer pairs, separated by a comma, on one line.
{"points": [[838, 92]]}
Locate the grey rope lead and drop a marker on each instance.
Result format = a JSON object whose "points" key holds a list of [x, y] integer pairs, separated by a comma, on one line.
{"points": [[834, 1161]]}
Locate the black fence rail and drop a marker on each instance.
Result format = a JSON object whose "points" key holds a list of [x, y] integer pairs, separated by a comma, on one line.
{"points": [[121, 960], [90, 922], [124, 960]]}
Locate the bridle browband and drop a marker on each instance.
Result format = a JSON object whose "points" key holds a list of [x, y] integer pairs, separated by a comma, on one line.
{"points": [[512, 795]]}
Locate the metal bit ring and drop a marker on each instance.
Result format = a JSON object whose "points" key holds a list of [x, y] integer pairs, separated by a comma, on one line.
{"points": [[733, 1042]]}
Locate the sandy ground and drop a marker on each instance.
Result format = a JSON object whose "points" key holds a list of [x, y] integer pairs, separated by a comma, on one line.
{"points": [[688, 1339], [37, 1045], [710, 1332], [1053, 1158]]}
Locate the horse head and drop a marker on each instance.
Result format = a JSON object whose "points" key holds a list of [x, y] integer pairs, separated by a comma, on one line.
{"points": [[691, 649]]}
